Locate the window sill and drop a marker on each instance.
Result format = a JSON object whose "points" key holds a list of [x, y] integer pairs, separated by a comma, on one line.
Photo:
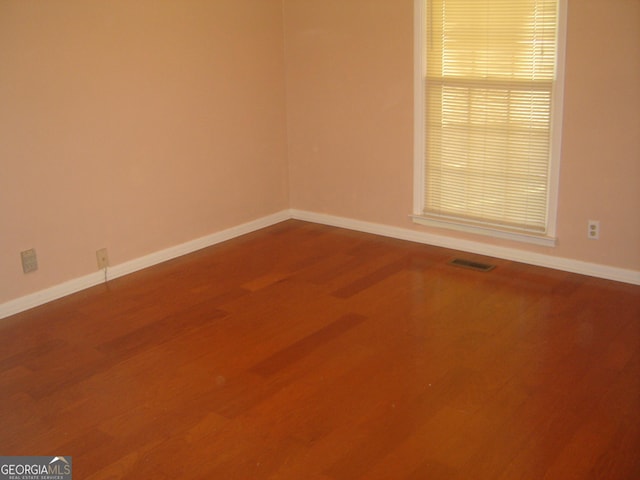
{"points": [[526, 237]]}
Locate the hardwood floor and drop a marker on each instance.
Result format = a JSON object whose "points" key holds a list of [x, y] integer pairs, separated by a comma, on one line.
{"points": [[308, 352]]}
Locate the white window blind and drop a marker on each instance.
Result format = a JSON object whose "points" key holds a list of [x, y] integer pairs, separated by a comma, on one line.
{"points": [[490, 73]]}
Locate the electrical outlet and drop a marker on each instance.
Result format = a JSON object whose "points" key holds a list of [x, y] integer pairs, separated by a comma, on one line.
{"points": [[102, 258], [593, 231], [29, 260]]}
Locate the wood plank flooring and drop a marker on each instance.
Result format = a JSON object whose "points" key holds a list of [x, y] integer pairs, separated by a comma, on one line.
{"points": [[308, 352]]}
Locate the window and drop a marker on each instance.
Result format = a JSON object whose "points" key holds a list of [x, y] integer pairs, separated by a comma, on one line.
{"points": [[488, 106]]}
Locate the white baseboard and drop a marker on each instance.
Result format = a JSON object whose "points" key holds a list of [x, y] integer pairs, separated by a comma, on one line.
{"points": [[194, 245], [539, 259], [49, 294], [67, 288]]}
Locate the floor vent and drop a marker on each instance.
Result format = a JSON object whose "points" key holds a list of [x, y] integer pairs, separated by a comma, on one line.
{"points": [[480, 267]]}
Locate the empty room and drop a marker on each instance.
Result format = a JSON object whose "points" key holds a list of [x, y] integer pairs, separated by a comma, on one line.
{"points": [[320, 239]]}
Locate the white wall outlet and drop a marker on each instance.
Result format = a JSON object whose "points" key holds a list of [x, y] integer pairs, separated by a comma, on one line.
{"points": [[29, 260], [102, 258], [593, 232]]}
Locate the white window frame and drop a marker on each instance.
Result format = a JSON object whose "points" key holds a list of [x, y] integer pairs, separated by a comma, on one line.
{"points": [[549, 237]]}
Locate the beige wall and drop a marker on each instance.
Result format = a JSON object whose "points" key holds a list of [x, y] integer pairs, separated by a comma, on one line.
{"points": [[350, 107], [134, 125], [349, 93], [139, 125]]}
